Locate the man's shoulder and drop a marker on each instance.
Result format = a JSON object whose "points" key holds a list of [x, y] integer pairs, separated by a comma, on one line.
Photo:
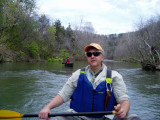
{"points": [[76, 72], [116, 74]]}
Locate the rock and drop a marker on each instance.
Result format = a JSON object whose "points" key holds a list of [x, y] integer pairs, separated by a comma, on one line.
{"points": [[158, 67]]}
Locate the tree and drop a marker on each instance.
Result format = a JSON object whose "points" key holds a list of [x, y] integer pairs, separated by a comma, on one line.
{"points": [[60, 34], [88, 27], [147, 43]]}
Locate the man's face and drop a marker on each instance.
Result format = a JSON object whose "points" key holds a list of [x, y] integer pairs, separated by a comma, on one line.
{"points": [[94, 60]]}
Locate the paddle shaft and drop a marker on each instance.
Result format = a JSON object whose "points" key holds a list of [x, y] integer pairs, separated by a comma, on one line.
{"points": [[73, 114]]}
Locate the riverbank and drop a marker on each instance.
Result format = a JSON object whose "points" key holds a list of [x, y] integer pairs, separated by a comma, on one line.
{"points": [[145, 65], [7, 55]]}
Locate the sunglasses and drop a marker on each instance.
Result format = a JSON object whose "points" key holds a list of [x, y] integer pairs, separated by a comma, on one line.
{"points": [[89, 54]]}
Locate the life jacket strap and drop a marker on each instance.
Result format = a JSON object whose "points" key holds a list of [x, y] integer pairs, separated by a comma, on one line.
{"points": [[83, 71], [109, 89]]}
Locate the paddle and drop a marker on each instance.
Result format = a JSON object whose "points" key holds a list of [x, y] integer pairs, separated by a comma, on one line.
{"points": [[7, 114]]}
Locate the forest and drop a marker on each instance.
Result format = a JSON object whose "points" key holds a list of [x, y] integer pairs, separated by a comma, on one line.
{"points": [[27, 36]]}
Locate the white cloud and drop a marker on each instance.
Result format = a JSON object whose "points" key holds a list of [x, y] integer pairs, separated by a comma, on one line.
{"points": [[106, 16]]}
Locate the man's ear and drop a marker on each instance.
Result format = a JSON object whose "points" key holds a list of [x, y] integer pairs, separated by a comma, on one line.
{"points": [[102, 57]]}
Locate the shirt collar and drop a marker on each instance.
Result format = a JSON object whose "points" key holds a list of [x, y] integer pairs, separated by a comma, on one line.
{"points": [[96, 73]]}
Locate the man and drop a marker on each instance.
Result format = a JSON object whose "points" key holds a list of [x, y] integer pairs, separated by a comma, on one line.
{"points": [[67, 60], [94, 92]]}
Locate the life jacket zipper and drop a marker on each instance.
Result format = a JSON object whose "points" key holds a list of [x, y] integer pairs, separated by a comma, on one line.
{"points": [[93, 100]]}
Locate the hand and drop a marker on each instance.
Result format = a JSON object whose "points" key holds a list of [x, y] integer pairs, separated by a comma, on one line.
{"points": [[43, 114], [120, 111]]}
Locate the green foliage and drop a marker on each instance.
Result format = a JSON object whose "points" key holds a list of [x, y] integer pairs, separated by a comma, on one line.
{"points": [[21, 53], [1, 12], [63, 53], [23, 30], [3, 38], [56, 59], [45, 51], [33, 50], [52, 29], [60, 31], [51, 36], [69, 31], [13, 40], [59, 27]]}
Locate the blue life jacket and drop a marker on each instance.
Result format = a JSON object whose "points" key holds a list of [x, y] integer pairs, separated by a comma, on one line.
{"points": [[87, 99]]}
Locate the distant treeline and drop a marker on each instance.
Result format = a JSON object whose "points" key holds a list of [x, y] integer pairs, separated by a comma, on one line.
{"points": [[27, 36]]}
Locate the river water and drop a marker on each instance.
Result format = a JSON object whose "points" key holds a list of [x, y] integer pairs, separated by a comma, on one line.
{"points": [[28, 87]]}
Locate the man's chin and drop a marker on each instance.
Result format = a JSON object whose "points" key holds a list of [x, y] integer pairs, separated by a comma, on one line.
{"points": [[94, 64]]}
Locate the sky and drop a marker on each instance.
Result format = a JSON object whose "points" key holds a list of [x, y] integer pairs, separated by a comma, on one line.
{"points": [[106, 16]]}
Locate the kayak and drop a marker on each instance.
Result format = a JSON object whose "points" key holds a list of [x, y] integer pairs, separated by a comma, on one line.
{"points": [[69, 64]]}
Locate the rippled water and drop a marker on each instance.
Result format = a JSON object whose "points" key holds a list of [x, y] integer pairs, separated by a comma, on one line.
{"points": [[27, 88]]}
